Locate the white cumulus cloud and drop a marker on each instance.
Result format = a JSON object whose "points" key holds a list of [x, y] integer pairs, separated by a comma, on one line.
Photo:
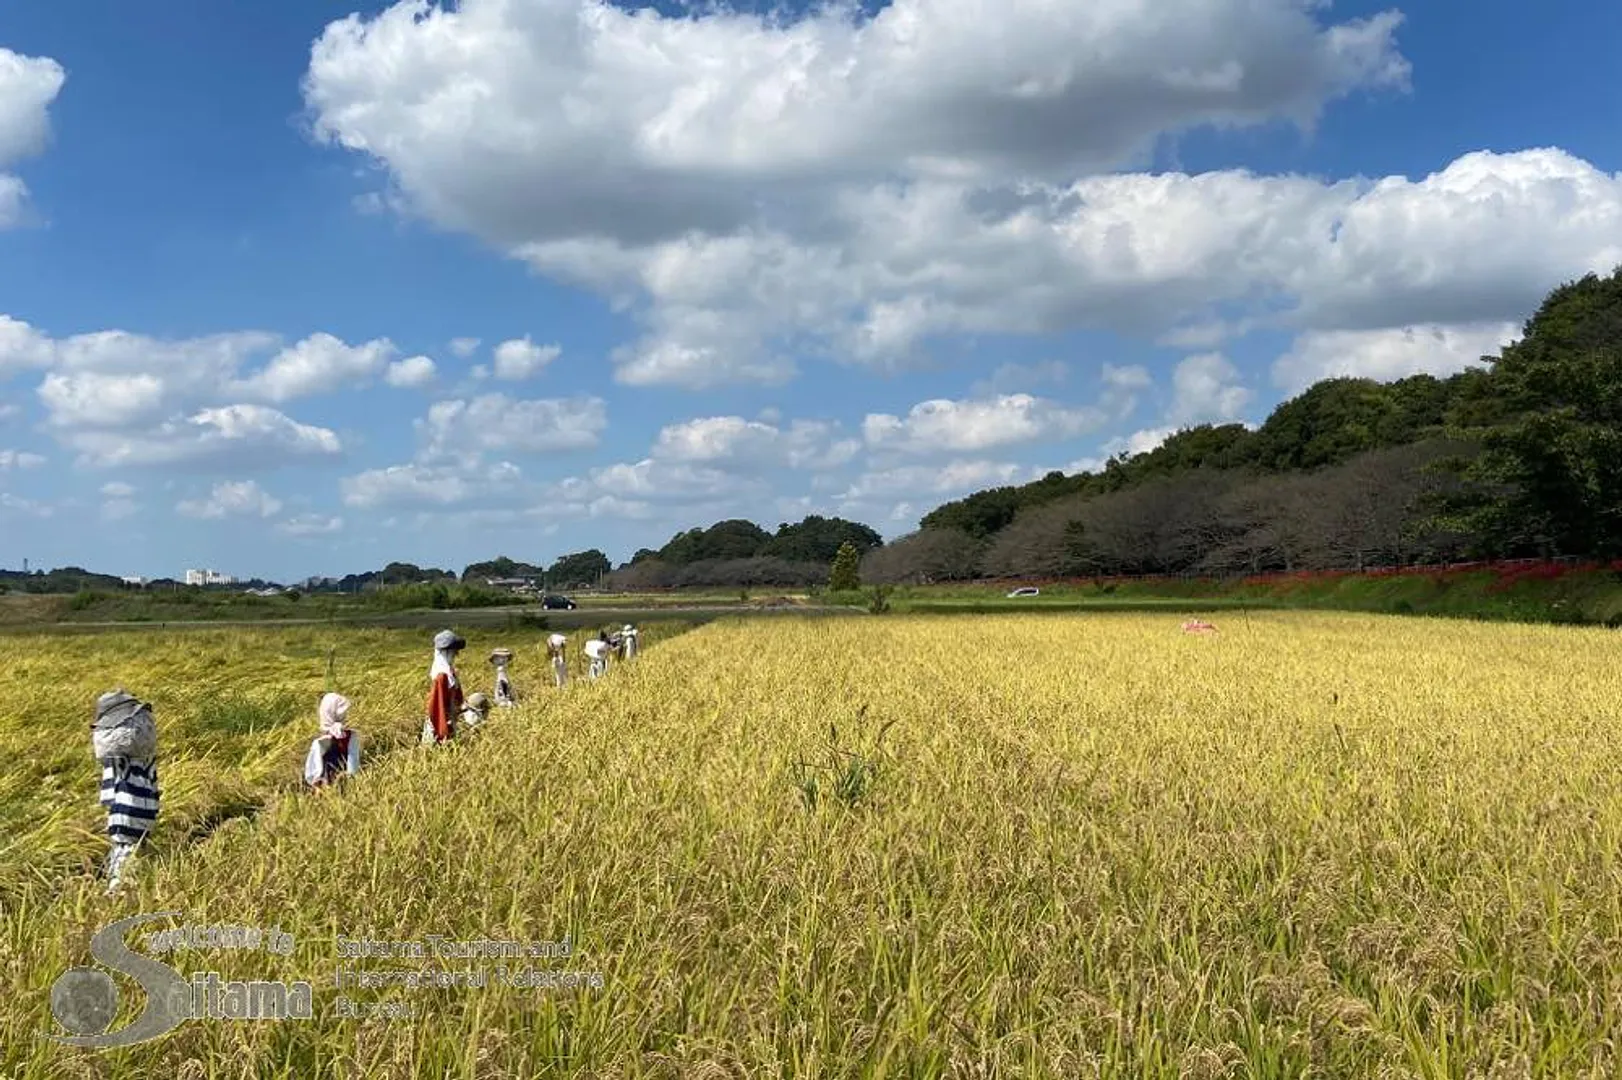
{"points": [[231, 436], [413, 372], [521, 359], [735, 442], [941, 426], [440, 486], [1389, 354], [28, 86], [242, 498], [1207, 388], [497, 423], [310, 525], [872, 182], [319, 364]]}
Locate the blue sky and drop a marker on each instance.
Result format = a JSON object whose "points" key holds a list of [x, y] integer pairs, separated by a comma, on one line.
{"points": [[717, 267]]}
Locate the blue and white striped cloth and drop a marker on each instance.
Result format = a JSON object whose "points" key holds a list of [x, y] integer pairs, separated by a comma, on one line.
{"points": [[129, 791]]}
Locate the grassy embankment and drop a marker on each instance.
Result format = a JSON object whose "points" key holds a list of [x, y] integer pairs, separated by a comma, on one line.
{"points": [[1541, 593], [1554, 593]]}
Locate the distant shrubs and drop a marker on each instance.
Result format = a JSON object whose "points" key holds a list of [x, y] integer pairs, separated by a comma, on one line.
{"points": [[439, 596], [85, 599], [752, 573]]}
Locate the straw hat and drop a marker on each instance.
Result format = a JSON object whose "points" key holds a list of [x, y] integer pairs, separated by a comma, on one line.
{"points": [[501, 656]]}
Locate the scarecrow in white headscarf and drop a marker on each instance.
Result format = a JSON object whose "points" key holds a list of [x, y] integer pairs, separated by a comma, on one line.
{"points": [[124, 738], [560, 663], [506, 697], [335, 753], [444, 690], [627, 642], [597, 650]]}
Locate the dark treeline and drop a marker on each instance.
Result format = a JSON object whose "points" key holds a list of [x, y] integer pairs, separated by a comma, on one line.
{"points": [[741, 554], [1521, 457]]}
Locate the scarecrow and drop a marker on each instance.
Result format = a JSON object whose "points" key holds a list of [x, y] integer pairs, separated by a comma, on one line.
{"points": [[335, 753], [444, 690], [560, 663], [124, 738], [506, 697]]}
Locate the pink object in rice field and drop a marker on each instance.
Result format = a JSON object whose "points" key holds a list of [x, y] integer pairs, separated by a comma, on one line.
{"points": [[1198, 626]]}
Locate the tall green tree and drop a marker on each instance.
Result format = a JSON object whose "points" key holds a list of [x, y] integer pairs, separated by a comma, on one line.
{"points": [[1549, 478], [579, 568], [845, 573]]}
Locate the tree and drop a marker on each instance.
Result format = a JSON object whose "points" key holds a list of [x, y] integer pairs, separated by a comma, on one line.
{"points": [[1549, 478], [926, 556], [499, 567], [818, 539], [579, 568], [845, 573]]}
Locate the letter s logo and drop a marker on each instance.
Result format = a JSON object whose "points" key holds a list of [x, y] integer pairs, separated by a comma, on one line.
{"points": [[85, 1000]]}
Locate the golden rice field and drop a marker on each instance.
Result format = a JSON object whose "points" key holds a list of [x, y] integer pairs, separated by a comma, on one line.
{"points": [[1314, 845], [236, 709]]}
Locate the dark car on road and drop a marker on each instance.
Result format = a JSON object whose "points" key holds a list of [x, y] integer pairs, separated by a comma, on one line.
{"points": [[558, 603]]}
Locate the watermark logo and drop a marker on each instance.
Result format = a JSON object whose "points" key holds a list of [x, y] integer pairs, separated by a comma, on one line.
{"points": [[84, 1000]]}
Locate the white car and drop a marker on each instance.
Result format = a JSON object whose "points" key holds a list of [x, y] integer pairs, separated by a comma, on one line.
{"points": [[1029, 590]]}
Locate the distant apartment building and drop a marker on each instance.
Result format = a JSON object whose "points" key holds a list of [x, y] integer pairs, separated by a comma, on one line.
{"points": [[208, 577]]}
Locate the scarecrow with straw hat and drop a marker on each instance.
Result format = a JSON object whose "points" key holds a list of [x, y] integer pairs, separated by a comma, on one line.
{"points": [[506, 697], [124, 738], [444, 689], [627, 642]]}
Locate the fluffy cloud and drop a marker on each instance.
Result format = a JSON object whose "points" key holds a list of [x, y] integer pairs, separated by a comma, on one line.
{"points": [[441, 486], [758, 188], [124, 398], [19, 459], [413, 372], [1206, 389], [464, 347], [943, 482], [243, 498], [1389, 354], [495, 422], [934, 427], [521, 359], [232, 436], [319, 364], [651, 481], [735, 442], [124, 377], [28, 85], [726, 168], [310, 525]]}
